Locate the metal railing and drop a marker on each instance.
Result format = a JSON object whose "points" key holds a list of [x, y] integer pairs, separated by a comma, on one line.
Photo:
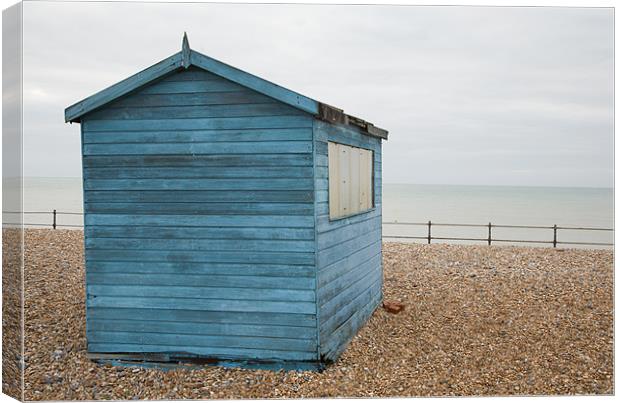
{"points": [[489, 239], [54, 224], [428, 238]]}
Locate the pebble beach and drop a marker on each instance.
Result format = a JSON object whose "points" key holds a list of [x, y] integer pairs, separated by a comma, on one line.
{"points": [[477, 321]]}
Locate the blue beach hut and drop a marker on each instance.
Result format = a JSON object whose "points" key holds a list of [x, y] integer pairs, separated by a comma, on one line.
{"points": [[228, 220]]}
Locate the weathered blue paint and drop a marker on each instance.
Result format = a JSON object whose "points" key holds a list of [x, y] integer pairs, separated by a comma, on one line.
{"points": [[349, 269], [207, 234]]}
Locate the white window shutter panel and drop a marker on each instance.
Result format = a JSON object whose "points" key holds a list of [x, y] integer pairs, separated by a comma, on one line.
{"points": [[354, 174], [345, 180], [334, 180], [350, 174]]}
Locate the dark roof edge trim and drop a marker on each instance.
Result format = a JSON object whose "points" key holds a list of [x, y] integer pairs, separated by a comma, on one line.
{"points": [[334, 115]]}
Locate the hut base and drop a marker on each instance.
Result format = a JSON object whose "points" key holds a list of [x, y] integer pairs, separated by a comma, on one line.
{"points": [[175, 361]]}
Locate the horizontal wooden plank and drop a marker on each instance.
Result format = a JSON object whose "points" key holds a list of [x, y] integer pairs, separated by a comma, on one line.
{"points": [[298, 258], [179, 315], [207, 329], [272, 147], [220, 352], [191, 280], [235, 233], [198, 184], [225, 293], [259, 122], [320, 173], [198, 172], [183, 268], [229, 305], [193, 99], [199, 196], [184, 87], [321, 208], [333, 344], [320, 147], [245, 245], [200, 221], [213, 160], [198, 136], [330, 238], [228, 341], [329, 273], [192, 73], [183, 112], [200, 208], [339, 311], [321, 160], [334, 288], [337, 252], [348, 135], [324, 224], [320, 134], [351, 291]]}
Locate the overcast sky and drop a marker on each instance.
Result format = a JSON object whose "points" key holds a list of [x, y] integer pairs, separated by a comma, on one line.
{"points": [[470, 95]]}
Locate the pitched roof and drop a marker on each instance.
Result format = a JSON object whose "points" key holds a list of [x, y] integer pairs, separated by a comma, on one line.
{"points": [[188, 57]]}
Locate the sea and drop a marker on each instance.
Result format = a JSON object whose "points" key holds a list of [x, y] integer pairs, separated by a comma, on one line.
{"points": [[413, 206]]}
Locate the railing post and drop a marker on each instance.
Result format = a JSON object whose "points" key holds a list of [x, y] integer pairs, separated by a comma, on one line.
{"points": [[489, 240], [429, 232], [555, 235], [54, 221]]}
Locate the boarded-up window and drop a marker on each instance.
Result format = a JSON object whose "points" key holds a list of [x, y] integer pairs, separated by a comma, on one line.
{"points": [[350, 180]]}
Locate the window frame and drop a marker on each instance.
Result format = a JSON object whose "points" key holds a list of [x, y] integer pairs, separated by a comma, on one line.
{"points": [[372, 183]]}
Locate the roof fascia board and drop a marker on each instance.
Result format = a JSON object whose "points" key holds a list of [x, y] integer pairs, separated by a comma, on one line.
{"points": [[335, 115], [75, 111], [253, 82]]}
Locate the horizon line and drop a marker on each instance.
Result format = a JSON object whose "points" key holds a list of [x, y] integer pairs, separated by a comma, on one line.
{"points": [[405, 183]]}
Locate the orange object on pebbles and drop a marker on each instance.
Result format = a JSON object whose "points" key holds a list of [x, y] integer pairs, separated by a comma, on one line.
{"points": [[393, 307]]}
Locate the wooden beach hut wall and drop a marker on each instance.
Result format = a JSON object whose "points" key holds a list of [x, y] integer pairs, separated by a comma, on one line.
{"points": [[227, 219]]}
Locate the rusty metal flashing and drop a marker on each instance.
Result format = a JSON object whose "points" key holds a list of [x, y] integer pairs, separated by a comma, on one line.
{"points": [[337, 116]]}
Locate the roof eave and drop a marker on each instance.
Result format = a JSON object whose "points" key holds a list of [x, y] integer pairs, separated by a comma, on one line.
{"points": [[74, 112], [255, 83], [184, 59], [188, 57]]}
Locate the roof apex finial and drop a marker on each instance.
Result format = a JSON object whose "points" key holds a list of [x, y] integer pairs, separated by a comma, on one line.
{"points": [[185, 50]]}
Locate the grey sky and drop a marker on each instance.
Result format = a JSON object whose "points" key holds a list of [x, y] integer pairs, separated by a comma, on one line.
{"points": [[470, 95]]}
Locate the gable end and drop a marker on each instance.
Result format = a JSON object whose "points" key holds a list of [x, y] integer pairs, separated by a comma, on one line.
{"points": [[188, 57]]}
